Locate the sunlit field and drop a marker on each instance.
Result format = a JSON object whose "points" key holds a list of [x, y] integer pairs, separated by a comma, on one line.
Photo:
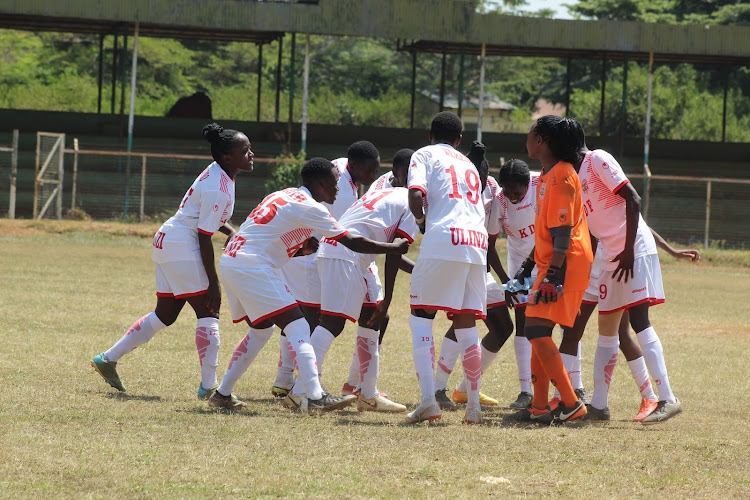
{"points": [[70, 290]]}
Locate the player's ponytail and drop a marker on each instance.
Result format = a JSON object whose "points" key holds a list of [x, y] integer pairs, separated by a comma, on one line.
{"points": [[564, 137], [477, 157]]}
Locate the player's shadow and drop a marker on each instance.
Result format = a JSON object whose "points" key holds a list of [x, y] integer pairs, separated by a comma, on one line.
{"points": [[119, 396], [207, 410]]}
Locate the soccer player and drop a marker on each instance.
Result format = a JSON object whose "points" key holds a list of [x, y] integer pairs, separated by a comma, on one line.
{"points": [[301, 274], [563, 257], [184, 256], [399, 170], [279, 228], [630, 279], [498, 321], [350, 290], [445, 195]]}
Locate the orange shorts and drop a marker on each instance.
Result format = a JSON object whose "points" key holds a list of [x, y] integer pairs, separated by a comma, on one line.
{"points": [[563, 312]]}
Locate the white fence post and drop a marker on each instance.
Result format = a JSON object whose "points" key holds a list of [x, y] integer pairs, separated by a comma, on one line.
{"points": [[143, 187], [708, 214], [13, 176]]}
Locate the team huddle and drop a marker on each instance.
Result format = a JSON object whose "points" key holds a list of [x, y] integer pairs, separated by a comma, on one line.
{"points": [[304, 260]]}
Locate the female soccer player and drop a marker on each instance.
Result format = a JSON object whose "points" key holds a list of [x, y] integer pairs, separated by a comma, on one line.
{"points": [[563, 257], [184, 256]]}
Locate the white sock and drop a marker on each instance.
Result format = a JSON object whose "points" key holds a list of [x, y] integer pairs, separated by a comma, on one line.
{"points": [[653, 354], [571, 362], [321, 340], [605, 358], [369, 361], [244, 354], [423, 349], [285, 372], [207, 342], [449, 352], [487, 359], [141, 332], [468, 340], [642, 380], [353, 378], [303, 356], [577, 383], [522, 346]]}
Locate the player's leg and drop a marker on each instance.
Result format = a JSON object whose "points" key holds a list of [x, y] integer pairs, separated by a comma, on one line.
{"points": [[634, 356], [653, 353], [369, 399], [449, 353], [605, 359], [570, 347], [207, 342], [522, 349]]}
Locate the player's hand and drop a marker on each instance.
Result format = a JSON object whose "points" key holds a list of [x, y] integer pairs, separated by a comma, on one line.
{"points": [[310, 246], [213, 298], [551, 286], [626, 260], [525, 270], [511, 300], [227, 240], [693, 255], [380, 312], [400, 245], [422, 226]]}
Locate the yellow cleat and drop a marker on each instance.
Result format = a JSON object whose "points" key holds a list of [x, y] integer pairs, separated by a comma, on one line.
{"points": [[484, 399]]}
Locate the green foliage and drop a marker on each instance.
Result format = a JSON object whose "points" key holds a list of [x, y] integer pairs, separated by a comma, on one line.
{"points": [[287, 172], [666, 11]]}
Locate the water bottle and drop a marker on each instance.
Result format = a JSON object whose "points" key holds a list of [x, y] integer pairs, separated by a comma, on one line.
{"points": [[514, 286]]}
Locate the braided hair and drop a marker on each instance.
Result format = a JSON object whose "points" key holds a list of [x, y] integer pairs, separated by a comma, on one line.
{"points": [[564, 137], [222, 140]]}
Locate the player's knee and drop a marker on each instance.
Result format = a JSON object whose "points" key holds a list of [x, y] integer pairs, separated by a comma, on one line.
{"points": [[537, 332], [423, 313], [639, 317]]}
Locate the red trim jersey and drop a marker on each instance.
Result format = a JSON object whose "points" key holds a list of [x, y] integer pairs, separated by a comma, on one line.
{"points": [[518, 223], [601, 178], [385, 181], [378, 215], [455, 215], [278, 227], [491, 202], [206, 206], [348, 193]]}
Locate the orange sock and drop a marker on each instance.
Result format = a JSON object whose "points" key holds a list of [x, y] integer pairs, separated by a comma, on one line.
{"points": [[549, 357], [540, 381]]}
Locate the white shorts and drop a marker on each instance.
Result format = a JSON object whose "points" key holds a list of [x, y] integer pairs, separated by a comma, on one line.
{"points": [[644, 286], [456, 287], [346, 290], [181, 279], [374, 286], [495, 294], [301, 276], [255, 293], [591, 295]]}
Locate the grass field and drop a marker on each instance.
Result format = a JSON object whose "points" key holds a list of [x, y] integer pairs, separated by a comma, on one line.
{"points": [[69, 290]]}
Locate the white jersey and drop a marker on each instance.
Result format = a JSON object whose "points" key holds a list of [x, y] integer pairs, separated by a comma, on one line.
{"points": [[518, 223], [491, 202], [379, 216], [206, 206], [385, 181], [455, 215], [348, 193], [278, 227], [601, 178]]}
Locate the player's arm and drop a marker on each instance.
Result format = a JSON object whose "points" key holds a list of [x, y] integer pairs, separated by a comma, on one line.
{"points": [[693, 255], [626, 258], [406, 264], [213, 294], [360, 244], [493, 259], [229, 231], [416, 206]]}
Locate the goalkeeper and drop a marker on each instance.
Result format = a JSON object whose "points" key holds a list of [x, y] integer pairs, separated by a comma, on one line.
{"points": [[563, 257]]}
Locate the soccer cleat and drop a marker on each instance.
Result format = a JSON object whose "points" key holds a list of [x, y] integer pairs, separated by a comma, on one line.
{"points": [[230, 402], [565, 414], [647, 408], [523, 400], [530, 415], [328, 402], [280, 392], [380, 404], [554, 403], [295, 403], [463, 398], [423, 413], [206, 393], [443, 401], [473, 415], [583, 395], [663, 412], [108, 371], [349, 390], [595, 415]]}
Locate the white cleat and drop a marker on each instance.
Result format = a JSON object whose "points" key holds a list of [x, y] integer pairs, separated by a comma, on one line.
{"points": [[473, 415], [424, 412], [295, 403], [379, 403]]}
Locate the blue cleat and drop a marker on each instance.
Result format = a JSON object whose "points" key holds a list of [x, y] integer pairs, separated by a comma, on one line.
{"points": [[108, 371]]}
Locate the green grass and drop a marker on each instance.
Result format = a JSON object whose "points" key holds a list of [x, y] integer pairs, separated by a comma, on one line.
{"points": [[70, 290]]}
